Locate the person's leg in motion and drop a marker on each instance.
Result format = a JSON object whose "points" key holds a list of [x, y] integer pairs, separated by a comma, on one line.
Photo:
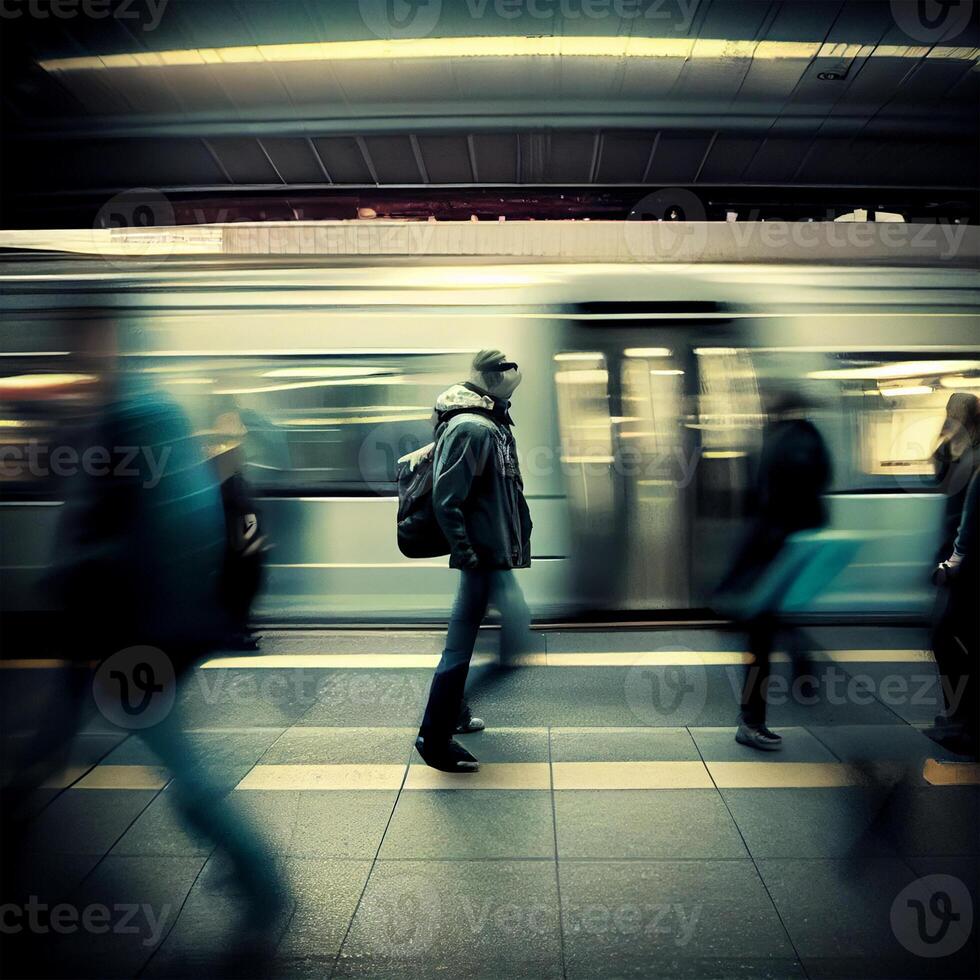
{"points": [[515, 617], [442, 712], [207, 808], [752, 729], [515, 633]]}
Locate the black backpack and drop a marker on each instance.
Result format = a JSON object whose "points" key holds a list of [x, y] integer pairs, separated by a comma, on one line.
{"points": [[419, 534]]}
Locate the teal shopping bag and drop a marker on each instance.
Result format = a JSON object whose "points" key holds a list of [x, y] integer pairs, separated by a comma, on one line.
{"points": [[806, 564]]}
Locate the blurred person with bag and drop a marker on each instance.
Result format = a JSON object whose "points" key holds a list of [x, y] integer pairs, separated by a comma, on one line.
{"points": [[793, 473]]}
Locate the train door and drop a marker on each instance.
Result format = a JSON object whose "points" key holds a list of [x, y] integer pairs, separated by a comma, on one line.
{"points": [[629, 458]]}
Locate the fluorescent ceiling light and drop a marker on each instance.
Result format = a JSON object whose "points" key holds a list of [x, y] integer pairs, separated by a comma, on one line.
{"points": [[502, 47], [900, 369]]}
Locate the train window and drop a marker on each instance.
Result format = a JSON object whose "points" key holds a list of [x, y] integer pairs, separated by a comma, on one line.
{"points": [[323, 424], [306, 424], [729, 407], [581, 380], [897, 405]]}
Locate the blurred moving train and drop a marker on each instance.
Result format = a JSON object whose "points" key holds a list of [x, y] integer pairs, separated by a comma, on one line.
{"points": [[641, 408]]}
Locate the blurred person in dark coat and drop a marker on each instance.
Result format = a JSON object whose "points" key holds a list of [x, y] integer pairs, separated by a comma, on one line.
{"points": [[137, 570], [794, 471], [955, 460], [478, 499], [958, 631]]}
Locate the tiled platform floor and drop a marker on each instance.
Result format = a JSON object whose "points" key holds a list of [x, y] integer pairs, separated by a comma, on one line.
{"points": [[615, 830]]}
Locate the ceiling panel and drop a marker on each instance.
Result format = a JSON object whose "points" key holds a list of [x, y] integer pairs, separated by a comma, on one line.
{"points": [[425, 80], [623, 157], [295, 160], [343, 159], [132, 163], [678, 157], [244, 161], [496, 157], [446, 158], [771, 81], [728, 159], [558, 157], [777, 160], [393, 159], [311, 83], [199, 90]]}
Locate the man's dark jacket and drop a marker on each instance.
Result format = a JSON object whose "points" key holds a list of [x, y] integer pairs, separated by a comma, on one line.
{"points": [[477, 490], [793, 474]]}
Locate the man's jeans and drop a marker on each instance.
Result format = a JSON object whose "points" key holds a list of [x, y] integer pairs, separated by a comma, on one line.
{"points": [[478, 588]]}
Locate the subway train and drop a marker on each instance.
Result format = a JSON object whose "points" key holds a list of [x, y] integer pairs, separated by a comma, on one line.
{"points": [[637, 422]]}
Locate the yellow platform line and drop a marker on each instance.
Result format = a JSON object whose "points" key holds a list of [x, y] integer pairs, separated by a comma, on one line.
{"points": [[631, 775], [65, 778], [651, 658], [938, 773], [795, 775], [491, 775], [124, 777], [338, 776], [566, 776]]}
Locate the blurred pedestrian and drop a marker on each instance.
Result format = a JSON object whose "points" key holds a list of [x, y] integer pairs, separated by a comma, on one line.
{"points": [[246, 544], [955, 460], [478, 499], [956, 638], [138, 566], [793, 473]]}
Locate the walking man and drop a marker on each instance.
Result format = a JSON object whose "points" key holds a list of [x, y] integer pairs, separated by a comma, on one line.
{"points": [[794, 472], [478, 498]]}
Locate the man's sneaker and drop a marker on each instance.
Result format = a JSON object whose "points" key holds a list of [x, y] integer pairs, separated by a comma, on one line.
{"points": [[449, 757], [758, 738], [469, 724]]}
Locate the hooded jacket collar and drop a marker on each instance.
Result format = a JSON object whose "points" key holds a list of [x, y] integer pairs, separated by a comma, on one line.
{"points": [[468, 397]]}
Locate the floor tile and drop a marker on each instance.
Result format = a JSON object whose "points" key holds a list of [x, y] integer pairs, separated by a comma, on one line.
{"points": [[326, 893], [340, 824], [471, 824], [683, 823], [807, 823], [847, 920], [622, 745], [671, 918], [486, 919]]}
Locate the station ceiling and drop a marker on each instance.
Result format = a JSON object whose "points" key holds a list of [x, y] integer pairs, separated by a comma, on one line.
{"points": [[234, 97]]}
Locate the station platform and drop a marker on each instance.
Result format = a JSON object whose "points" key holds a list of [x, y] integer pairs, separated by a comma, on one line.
{"points": [[615, 828]]}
